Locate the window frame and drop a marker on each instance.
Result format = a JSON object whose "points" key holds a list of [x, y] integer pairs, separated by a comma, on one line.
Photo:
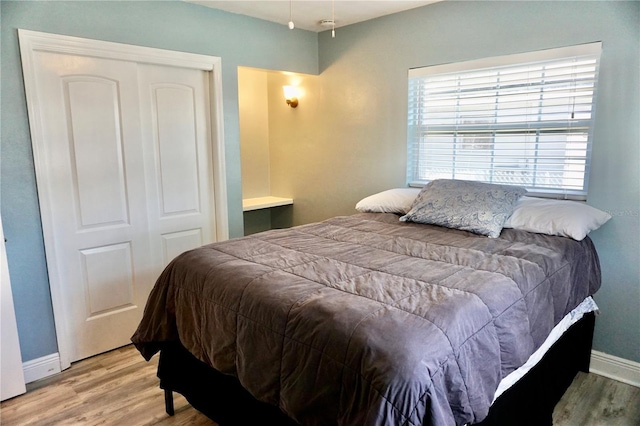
{"points": [[418, 131]]}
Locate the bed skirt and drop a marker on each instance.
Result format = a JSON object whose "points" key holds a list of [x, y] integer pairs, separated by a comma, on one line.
{"points": [[530, 401]]}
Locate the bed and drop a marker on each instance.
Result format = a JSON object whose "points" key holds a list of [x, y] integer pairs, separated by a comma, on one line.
{"points": [[367, 319]]}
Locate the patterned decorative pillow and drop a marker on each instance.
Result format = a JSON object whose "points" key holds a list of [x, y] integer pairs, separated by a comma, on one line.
{"points": [[477, 207]]}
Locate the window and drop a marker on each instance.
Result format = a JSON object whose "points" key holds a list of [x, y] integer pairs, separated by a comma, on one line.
{"points": [[522, 119]]}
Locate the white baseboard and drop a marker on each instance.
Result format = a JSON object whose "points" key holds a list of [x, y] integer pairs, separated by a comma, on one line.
{"points": [[613, 367], [40, 368]]}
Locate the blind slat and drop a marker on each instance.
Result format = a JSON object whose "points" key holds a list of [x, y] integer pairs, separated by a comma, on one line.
{"points": [[517, 122]]}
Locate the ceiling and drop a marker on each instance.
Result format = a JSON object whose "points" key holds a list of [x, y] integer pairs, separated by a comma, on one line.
{"points": [[307, 14]]}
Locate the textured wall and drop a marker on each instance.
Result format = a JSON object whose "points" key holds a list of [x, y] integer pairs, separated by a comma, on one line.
{"points": [[347, 139], [173, 25], [362, 118]]}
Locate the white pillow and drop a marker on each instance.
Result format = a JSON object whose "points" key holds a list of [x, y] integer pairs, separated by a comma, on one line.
{"points": [[571, 219], [397, 201]]}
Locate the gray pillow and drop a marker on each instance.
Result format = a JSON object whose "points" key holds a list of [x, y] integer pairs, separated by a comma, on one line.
{"points": [[477, 207]]}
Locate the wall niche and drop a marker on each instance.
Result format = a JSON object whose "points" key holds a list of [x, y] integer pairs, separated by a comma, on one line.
{"points": [[263, 209]]}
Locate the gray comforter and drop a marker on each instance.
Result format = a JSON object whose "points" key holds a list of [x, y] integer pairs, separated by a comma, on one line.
{"points": [[364, 320]]}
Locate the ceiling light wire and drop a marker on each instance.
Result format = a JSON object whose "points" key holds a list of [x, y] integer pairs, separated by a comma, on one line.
{"points": [[291, 24], [333, 19]]}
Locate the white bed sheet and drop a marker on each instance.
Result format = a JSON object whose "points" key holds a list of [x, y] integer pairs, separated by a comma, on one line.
{"points": [[587, 305]]}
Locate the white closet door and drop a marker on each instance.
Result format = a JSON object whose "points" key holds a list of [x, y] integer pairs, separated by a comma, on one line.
{"points": [[131, 185], [124, 158], [175, 122], [98, 203]]}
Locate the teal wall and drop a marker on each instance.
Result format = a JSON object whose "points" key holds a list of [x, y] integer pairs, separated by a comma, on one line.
{"points": [[173, 25], [365, 69], [363, 76]]}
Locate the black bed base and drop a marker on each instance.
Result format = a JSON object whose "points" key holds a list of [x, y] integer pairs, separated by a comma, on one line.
{"points": [[529, 402], [216, 395]]}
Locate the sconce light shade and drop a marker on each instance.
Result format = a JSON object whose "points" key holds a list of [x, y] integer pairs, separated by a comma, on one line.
{"points": [[291, 95]]}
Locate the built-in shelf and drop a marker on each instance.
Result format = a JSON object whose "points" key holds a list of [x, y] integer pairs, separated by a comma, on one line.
{"points": [[249, 204]]}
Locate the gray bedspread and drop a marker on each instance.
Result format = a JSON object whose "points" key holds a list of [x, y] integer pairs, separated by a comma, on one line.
{"points": [[364, 320]]}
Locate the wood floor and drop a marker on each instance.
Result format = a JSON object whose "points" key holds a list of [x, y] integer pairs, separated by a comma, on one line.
{"points": [[120, 388], [115, 388], [593, 400]]}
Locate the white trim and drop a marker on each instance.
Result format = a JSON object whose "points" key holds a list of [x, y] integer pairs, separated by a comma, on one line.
{"points": [[32, 42], [613, 367], [450, 106], [41, 368], [46, 42], [11, 375], [27, 52], [217, 139], [507, 60]]}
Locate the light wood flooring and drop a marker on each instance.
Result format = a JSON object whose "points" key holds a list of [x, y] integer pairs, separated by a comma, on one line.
{"points": [[120, 388]]}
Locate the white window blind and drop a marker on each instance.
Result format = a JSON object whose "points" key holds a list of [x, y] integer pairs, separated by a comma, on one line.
{"points": [[522, 119]]}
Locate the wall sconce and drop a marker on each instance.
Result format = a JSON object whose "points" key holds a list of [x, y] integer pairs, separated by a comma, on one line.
{"points": [[291, 95]]}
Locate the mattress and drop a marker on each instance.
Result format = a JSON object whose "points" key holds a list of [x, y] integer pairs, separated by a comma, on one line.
{"points": [[367, 320]]}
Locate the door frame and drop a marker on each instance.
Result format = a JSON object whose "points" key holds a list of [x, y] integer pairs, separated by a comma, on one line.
{"points": [[34, 41]]}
